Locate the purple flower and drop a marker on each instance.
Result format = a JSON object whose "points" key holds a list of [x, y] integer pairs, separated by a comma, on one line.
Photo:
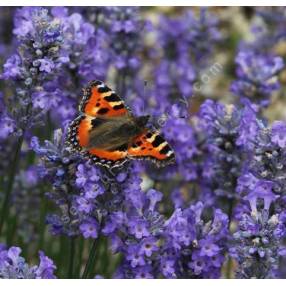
{"points": [[260, 68], [257, 76], [256, 248], [84, 205], [134, 257], [263, 190], [135, 230], [202, 34], [198, 264], [198, 34], [168, 268], [178, 229], [228, 134], [12, 67], [7, 126], [144, 272], [88, 178], [45, 65], [89, 229], [58, 168], [249, 127], [154, 197], [46, 267], [121, 177], [123, 26], [148, 246], [76, 188], [279, 133], [268, 31], [263, 177], [224, 198], [115, 221], [200, 244], [139, 228], [35, 63], [14, 266], [208, 248], [84, 55]]}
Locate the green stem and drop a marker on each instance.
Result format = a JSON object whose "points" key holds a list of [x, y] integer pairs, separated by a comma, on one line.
{"points": [[5, 206], [104, 258], [228, 269], [79, 256], [42, 223], [71, 258], [61, 254], [90, 261], [11, 231]]}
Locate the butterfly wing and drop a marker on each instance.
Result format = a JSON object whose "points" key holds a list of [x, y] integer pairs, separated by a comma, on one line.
{"points": [[151, 145], [101, 101], [99, 105], [78, 138]]}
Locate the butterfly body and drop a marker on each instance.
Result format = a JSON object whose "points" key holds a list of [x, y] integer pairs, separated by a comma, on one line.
{"points": [[112, 133], [108, 133]]}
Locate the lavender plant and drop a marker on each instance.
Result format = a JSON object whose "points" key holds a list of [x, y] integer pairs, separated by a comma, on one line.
{"points": [[259, 241], [14, 266], [257, 76], [37, 58], [217, 212]]}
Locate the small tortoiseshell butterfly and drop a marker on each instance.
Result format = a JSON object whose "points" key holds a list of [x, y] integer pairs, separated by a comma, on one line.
{"points": [[109, 134]]}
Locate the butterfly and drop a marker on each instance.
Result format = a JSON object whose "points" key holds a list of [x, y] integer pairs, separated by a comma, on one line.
{"points": [[109, 134]]}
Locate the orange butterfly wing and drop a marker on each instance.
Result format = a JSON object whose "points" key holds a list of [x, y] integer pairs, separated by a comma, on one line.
{"points": [[99, 100], [151, 145], [78, 139]]}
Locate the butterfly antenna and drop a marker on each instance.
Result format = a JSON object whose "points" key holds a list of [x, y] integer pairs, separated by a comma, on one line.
{"points": [[144, 95]]}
